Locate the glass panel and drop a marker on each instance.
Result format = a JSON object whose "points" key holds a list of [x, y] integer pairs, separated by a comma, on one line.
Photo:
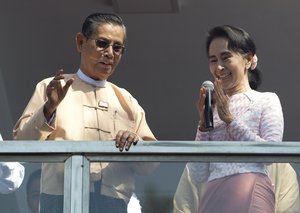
{"points": [[155, 186], [239, 190], [112, 184], [155, 191], [32, 186], [26, 198]]}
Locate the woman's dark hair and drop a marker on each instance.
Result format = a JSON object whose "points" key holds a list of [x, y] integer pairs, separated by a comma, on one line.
{"points": [[94, 20], [238, 41]]}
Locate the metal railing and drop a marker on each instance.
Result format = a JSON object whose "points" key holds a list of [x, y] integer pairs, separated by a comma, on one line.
{"points": [[77, 155]]}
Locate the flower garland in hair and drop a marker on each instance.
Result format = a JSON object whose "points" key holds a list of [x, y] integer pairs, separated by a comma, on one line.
{"points": [[254, 62]]}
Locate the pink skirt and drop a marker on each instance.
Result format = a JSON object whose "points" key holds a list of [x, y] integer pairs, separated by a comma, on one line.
{"points": [[240, 193]]}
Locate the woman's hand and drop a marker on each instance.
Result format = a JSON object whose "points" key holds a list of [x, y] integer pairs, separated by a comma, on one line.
{"points": [[200, 105], [222, 102]]}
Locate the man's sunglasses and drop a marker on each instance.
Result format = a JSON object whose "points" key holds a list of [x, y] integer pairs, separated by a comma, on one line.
{"points": [[104, 44]]}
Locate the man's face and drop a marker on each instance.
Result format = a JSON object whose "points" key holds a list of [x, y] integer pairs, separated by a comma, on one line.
{"points": [[99, 62]]}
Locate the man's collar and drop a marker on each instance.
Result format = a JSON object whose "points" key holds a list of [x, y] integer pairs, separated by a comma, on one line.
{"points": [[89, 80]]}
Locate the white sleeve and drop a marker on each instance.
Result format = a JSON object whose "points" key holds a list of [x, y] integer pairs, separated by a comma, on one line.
{"points": [[11, 176]]}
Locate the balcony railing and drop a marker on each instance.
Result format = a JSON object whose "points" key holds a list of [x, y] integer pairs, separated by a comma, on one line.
{"points": [[77, 156]]}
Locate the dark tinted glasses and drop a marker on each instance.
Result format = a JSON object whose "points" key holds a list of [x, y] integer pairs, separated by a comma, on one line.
{"points": [[104, 44]]}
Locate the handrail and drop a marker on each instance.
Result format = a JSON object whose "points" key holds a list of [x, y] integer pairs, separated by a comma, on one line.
{"points": [[151, 151], [77, 156]]}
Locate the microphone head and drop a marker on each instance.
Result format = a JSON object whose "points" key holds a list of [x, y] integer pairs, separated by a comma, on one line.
{"points": [[208, 85]]}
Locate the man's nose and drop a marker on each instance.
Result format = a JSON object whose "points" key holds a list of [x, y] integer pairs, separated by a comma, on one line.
{"points": [[108, 51]]}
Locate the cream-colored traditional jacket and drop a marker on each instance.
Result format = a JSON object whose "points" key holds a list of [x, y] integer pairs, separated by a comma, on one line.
{"points": [[87, 113]]}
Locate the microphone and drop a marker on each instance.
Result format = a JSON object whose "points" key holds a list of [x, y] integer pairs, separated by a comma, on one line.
{"points": [[208, 113]]}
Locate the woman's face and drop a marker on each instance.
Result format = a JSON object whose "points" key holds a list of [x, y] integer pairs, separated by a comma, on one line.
{"points": [[228, 66]]}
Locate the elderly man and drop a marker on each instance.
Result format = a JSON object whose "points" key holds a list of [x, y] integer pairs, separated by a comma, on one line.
{"points": [[85, 106]]}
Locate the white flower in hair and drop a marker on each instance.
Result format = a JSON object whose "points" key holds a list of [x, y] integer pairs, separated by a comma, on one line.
{"points": [[254, 62]]}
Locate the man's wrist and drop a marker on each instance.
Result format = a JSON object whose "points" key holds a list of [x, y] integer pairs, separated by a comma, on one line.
{"points": [[48, 111], [49, 114]]}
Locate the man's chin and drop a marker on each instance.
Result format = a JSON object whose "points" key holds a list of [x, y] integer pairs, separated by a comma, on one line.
{"points": [[104, 74]]}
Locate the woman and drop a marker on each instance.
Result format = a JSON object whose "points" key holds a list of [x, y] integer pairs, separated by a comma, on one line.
{"points": [[240, 113]]}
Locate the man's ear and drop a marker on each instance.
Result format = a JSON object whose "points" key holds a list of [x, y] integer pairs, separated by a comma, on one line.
{"points": [[79, 41]]}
